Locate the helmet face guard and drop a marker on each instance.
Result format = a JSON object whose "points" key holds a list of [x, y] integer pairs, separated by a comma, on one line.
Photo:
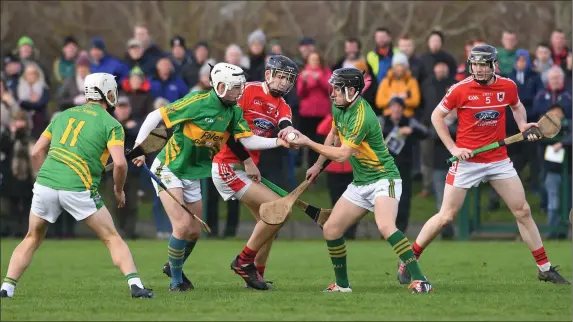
{"points": [[283, 80], [341, 80], [481, 63]]}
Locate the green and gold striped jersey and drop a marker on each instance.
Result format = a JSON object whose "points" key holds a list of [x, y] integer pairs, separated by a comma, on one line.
{"points": [[359, 128], [79, 141], [202, 125]]}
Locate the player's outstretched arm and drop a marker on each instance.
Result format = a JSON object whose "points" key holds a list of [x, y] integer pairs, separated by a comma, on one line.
{"points": [[326, 150], [119, 172], [39, 152], [151, 122], [255, 142]]}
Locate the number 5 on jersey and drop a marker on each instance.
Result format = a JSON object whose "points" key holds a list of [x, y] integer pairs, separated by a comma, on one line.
{"points": [[77, 130]]}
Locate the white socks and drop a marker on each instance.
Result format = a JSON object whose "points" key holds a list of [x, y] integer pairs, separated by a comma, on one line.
{"points": [[545, 267], [134, 281], [9, 288]]}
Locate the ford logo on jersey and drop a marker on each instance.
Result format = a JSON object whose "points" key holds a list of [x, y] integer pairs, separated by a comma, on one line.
{"points": [[263, 124], [487, 115]]}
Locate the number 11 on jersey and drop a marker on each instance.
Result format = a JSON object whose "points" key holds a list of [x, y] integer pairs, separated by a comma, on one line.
{"points": [[77, 130]]}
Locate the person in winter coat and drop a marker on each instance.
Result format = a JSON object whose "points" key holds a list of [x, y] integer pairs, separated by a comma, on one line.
{"points": [[166, 84], [433, 90], [554, 175], [543, 61], [104, 63], [436, 52], [555, 93], [399, 83], [400, 133], [71, 93], [134, 57], [137, 89], [179, 55], [257, 56], [314, 100], [34, 96]]}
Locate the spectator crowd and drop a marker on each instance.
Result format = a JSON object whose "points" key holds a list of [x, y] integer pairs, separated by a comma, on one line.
{"points": [[403, 85]]}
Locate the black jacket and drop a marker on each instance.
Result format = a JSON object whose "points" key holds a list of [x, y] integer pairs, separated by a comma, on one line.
{"points": [[428, 60], [419, 132], [433, 90]]}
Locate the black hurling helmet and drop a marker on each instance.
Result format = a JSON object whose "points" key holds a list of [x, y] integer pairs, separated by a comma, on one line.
{"points": [[483, 54], [342, 79], [288, 69]]}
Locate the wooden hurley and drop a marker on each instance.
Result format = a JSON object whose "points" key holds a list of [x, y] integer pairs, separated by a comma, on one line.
{"points": [[154, 142], [276, 212], [548, 127]]}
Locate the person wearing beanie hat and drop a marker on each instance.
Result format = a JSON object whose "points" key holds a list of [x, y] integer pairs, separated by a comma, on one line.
{"points": [[12, 71], [137, 89], [104, 63], [256, 65], [399, 82], [64, 66], [179, 55], [71, 91], [25, 47]]}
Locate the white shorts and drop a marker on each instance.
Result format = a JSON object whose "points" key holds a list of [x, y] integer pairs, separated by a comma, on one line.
{"points": [[364, 196], [231, 184], [464, 174], [191, 188], [49, 203]]}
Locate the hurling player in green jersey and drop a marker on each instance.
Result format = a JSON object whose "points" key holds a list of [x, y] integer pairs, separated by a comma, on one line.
{"points": [[78, 143], [356, 136], [202, 122]]}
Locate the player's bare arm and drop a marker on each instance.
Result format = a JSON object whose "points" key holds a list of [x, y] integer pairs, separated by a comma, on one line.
{"points": [[520, 116], [438, 120], [336, 154], [331, 140], [119, 173], [39, 152]]}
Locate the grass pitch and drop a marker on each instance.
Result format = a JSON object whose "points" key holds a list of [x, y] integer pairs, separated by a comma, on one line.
{"points": [[75, 280]]}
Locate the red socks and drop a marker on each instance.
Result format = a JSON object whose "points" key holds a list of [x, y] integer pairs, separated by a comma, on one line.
{"points": [[417, 250], [540, 256], [247, 256]]}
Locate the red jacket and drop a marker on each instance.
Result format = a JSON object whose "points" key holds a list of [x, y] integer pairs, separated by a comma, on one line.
{"points": [[314, 100], [335, 167]]}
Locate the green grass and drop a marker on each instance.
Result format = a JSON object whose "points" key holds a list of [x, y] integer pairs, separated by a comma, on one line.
{"points": [[422, 208], [75, 280]]}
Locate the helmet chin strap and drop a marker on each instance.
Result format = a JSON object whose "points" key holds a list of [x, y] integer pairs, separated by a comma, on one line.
{"points": [[346, 95]]}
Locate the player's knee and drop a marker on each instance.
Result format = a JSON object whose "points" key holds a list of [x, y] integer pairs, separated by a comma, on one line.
{"points": [[522, 212], [331, 231], [35, 238], [194, 233]]}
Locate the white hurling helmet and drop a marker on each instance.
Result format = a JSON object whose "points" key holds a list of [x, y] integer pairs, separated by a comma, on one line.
{"points": [[99, 86], [230, 75]]}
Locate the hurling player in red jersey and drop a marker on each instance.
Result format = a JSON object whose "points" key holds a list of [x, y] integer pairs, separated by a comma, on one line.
{"points": [[266, 112], [480, 101]]}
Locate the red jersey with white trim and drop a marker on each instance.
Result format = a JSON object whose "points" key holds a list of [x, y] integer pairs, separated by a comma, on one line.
{"points": [[263, 112], [481, 114]]}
